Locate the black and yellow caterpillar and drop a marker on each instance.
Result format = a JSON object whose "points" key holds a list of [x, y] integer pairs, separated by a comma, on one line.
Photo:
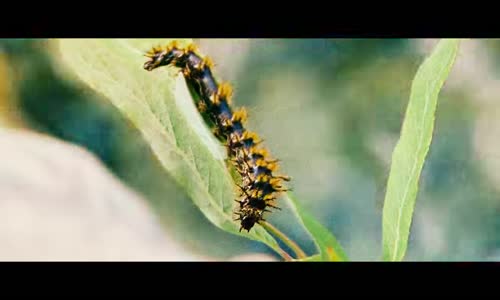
{"points": [[259, 186]]}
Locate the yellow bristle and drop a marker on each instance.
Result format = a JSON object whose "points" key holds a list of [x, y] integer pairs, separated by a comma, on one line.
{"points": [[262, 151], [152, 52], [186, 72], [227, 123], [274, 181], [192, 48], [263, 178], [225, 91], [256, 193], [207, 61], [250, 135], [173, 45], [240, 115], [270, 198], [272, 166], [269, 165], [214, 99]]}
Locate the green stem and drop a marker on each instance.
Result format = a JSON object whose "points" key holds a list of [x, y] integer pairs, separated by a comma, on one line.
{"points": [[295, 248], [285, 255]]}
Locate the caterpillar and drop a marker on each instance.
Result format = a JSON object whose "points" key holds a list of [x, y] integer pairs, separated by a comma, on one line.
{"points": [[260, 187]]}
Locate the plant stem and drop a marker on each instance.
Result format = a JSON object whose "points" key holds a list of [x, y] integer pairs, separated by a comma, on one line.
{"points": [[299, 252], [285, 255]]}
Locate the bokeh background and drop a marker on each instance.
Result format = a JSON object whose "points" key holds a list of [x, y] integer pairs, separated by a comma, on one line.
{"points": [[330, 109]]}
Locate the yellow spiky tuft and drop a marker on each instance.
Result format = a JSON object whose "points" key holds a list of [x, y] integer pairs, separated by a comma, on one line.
{"points": [[269, 165], [207, 62], [262, 178], [262, 152], [240, 115], [251, 135], [274, 181], [172, 45], [256, 193], [192, 48], [153, 51], [225, 91], [226, 123], [270, 198]]}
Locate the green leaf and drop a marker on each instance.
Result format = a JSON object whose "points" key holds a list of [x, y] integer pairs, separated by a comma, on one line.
{"points": [[411, 150], [159, 104], [327, 245]]}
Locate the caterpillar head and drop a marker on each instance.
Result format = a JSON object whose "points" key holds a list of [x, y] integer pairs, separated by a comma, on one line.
{"points": [[249, 217], [161, 57], [248, 221]]}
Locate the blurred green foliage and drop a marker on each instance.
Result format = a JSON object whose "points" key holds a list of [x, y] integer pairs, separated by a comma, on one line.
{"points": [[331, 110]]}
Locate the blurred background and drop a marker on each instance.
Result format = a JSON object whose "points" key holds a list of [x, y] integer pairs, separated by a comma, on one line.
{"points": [[79, 182]]}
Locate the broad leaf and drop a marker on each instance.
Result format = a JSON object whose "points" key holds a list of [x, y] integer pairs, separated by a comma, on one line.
{"points": [[411, 150], [159, 104]]}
